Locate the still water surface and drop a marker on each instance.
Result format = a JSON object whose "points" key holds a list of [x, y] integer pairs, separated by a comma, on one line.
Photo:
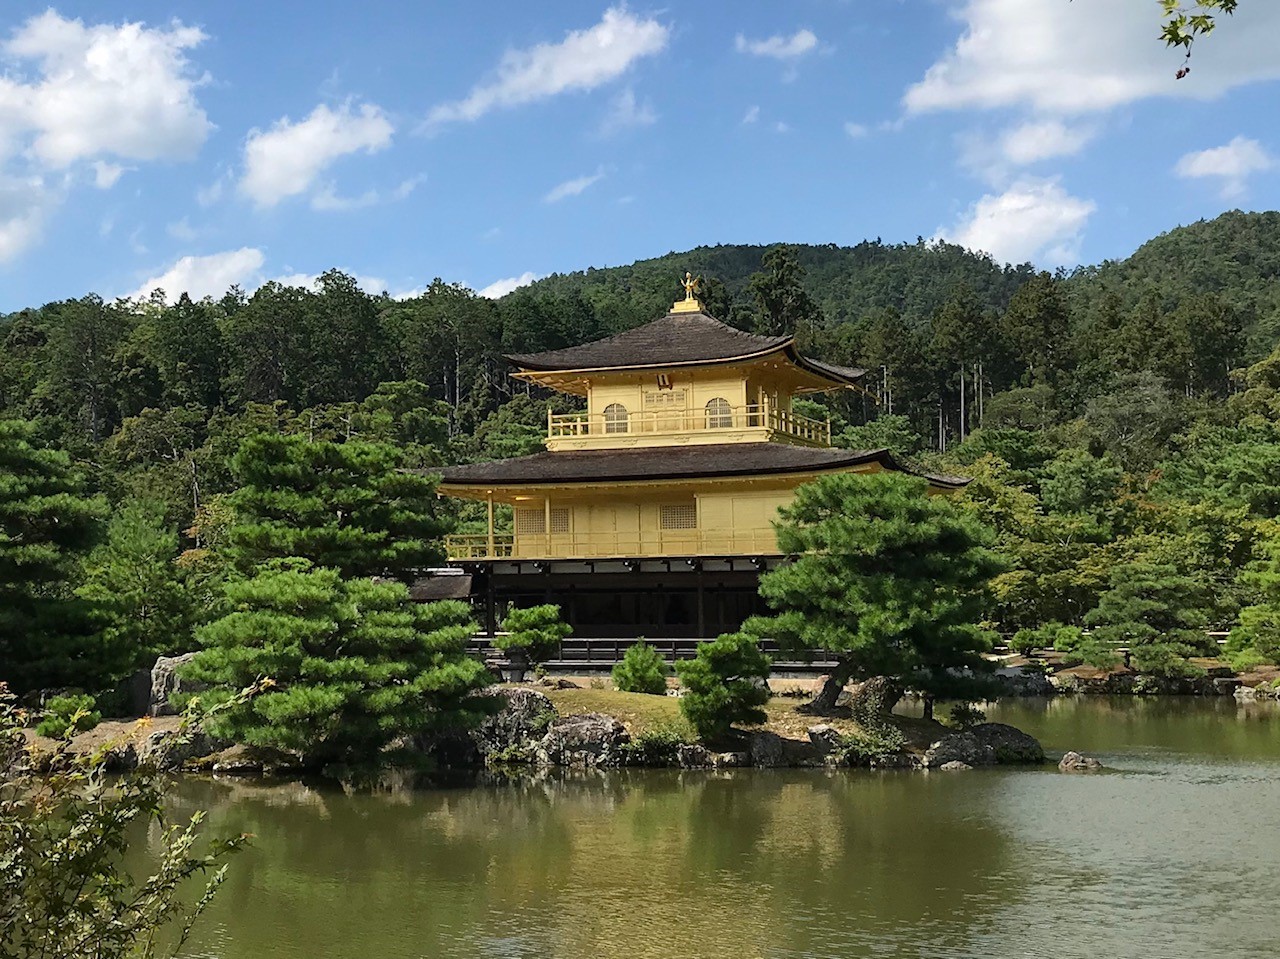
{"points": [[1173, 852]]}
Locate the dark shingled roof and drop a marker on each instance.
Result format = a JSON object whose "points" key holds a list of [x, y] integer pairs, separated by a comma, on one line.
{"points": [[671, 462], [677, 339]]}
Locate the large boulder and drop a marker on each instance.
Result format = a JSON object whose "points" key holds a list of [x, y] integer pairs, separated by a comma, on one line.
{"points": [[767, 750], [166, 683], [1011, 745], [826, 740], [513, 733], [869, 702], [962, 747], [590, 740], [1024, 681]]}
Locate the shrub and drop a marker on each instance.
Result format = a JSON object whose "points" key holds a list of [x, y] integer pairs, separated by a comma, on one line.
{"points": [[726, 683], [871, 746], [536, 630], [642, 670], [66, 889], [659, 746], [1082, 648], [964, 715], [73, 711]]}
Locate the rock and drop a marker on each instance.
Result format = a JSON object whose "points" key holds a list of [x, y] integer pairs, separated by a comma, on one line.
{"points": [[1011, 745], [166, 683], [254, 761], [514, 731], [955, 766], [1074, 762], [169, 749], [826, 739], [730, 760], [962, 747], [767, 750], [875, 698], [692, 756], [895, 761], [590, 740]]}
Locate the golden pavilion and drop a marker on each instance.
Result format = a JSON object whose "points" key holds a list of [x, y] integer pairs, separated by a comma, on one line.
{"points": [[651, 511]]}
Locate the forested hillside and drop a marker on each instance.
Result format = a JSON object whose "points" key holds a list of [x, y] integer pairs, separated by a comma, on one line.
{"points": [[1120, 421]]}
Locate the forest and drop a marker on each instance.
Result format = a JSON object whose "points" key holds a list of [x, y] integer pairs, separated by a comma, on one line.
{"points": [[1119, 421]]}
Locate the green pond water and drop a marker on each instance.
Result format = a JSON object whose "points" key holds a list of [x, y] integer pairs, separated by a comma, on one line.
{"points": [[1173, 851]]}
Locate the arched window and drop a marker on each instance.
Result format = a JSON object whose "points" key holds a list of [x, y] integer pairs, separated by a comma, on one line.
{"points": [[615, 418], [719, 414]]}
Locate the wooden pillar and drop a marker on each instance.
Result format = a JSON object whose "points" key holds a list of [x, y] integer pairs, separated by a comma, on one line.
{"points": [[702, 615], [546, 523], [491, 550], [490, 604]]}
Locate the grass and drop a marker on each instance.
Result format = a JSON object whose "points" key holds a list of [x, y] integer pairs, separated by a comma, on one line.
{"points": [[642, 713]]}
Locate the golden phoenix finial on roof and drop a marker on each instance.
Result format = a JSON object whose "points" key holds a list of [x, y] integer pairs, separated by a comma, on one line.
{"points": [[690, 284]]}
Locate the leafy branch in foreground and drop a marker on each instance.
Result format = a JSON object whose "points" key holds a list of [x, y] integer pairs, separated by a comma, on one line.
{"points": [[65, 892], [1184, 23]]}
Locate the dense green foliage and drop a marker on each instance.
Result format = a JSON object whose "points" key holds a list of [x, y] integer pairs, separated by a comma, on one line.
{"points": [[353, 663], [47, 525], [886, 577], [642, 670], [66, 890], [725, 683], [345, 506], [534, 631]]}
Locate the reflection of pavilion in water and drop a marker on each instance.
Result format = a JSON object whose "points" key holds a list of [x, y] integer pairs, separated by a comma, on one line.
{"points": [[651, 511]]}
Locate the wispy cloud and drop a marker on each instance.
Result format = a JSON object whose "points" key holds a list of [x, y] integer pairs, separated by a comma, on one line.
{"points": [[1231, 165], [583, 60], [778, 47], [572, 187], [626, 112]]}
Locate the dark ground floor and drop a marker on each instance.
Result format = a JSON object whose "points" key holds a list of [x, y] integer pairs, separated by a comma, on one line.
{"points": [[623, 599]]}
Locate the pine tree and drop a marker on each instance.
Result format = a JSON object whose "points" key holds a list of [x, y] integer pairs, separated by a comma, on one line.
{"points": [[886, 577], [353, 664], [1156, 612], [344, 506], [725, 683], [47, 524]]}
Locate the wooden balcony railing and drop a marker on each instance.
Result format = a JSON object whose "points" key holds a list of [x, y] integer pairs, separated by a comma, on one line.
{"points": [[655, 543], [656, 422]]}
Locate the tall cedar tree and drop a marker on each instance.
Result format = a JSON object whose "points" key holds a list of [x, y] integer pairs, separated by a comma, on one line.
{"points": [[344, 506], [47, 524], [887, 578], [354, 664], [782, 305], [1156, 612], [1257, 638]]}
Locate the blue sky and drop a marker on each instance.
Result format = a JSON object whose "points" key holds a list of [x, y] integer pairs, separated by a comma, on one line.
{"points": [[195, 145]]}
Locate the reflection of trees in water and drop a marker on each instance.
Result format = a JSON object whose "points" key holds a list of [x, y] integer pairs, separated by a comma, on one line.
{"points": [[628, 864], [1217, 726]]}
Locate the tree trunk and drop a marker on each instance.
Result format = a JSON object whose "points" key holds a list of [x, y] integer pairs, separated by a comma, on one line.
{"points": [[825, 702], [928, 706]]}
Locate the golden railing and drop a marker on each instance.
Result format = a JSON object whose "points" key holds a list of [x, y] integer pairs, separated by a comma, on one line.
{"points": [[652, 543], [651, 422]]}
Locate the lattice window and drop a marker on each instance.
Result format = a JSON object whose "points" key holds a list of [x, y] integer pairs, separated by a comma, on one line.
{"points": [[678, 516], [615, 418], [530, 522], [664, 399], [719, 414], [559, 519]]}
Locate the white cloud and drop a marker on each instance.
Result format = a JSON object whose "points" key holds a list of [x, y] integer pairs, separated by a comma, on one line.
{"points": [[124, 90], [287, 159], [1231, 165], [997, 158], [1085, 56], [24, 205], [328, 200], [752, 115], [572, 187], [778, 47], [211, 275], [856, 131], [373, 285], [782, 127], [583, 60], [1035, 219], [407, 186], [106, 174], [625, 112], [500, 288]]}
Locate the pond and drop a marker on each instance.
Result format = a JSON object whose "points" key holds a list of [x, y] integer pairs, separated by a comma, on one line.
{"points": [[1173, 851]]}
